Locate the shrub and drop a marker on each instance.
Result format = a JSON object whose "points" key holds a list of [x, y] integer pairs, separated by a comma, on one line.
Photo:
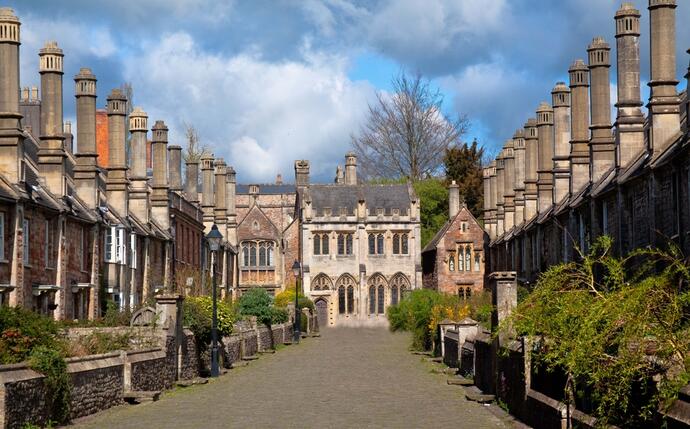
{"points": [[105, 342], [51, 363], [197, 315], [22, 330], [288, 296], [257, 302]]}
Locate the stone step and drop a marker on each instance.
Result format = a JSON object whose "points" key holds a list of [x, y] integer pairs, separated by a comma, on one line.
{"points": [[287, 343], [191, 382], [249, 358], [460, 381], [267, 352], [239, 364], [141, 396], [315, 335], [474, 394]]}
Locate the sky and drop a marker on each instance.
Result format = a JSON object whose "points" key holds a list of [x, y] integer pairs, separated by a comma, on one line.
{"points": [[266, 82]]}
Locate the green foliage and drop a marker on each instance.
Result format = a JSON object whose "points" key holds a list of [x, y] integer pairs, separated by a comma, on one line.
{"points": [[197, 315], [51, 363], [22, 330], [433, 198], [257, 302], [105, 342], [612, 324], [421, 310], [464, 165], [288, 296]]}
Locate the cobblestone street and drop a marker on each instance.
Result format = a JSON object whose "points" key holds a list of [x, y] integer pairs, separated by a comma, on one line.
{"points": [[350, 377]]}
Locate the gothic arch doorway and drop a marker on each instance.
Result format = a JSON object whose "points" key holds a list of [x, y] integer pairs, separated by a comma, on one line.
{"points": [[322, 312]]}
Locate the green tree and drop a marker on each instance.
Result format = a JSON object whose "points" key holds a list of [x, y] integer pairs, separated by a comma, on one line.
{"points": [[433, 198], [464, 165]]}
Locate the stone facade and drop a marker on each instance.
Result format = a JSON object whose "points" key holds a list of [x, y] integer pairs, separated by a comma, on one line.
{"points": [[453, 261], [637, 186]]}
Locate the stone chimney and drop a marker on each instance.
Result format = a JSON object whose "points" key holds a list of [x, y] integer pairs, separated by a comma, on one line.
{"points": [[302, 172], [508, 186], [453, 200], [500, 204], [486, 181], [207, 197], [561, 152], [279, 179], [85, 172], [545, 156], [11, 149], [579, 126], [220, 211], [339, 175], [230, 184], [117, 184], [630, 120], [664, 103], [138, 191], [175, 167], [531, 166], [601, 145], [191, 186], [160, 211], [51, 155], [493, 198], [519, 185], [350, 169]]}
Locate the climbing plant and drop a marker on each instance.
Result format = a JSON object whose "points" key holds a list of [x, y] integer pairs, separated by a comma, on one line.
{"points": [[614, 325]]}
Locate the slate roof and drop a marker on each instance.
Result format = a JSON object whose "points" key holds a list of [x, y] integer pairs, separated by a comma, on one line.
{"points": [[267, 189], [336, 196]]}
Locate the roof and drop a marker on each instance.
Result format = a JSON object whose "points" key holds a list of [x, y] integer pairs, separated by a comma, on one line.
{"points": [[603, 185], [267, 189], [387, 197], [431, 245]]}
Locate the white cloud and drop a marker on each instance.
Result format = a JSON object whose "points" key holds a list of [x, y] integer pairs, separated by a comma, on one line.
{"points": [[260, 116]]}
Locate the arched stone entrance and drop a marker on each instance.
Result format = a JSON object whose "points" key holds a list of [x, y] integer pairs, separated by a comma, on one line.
{"points": [[322, 312]]}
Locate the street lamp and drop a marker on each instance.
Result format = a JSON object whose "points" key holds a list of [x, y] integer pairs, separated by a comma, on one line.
{"points": [[214, 239], [296, 270]]}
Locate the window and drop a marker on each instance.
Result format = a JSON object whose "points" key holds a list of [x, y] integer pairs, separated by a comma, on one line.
{"points": [[398, 284], [468, 258], [400, 246], [350, 299], [2, 236], [27, 240], [321, 244], [463, 226], [376, 243], [477, 261], [257, 254], [604, 218], [109, 244], [461, 258], [346, 302], [48, 244], [394, 295], [133, 251], [245, 255], [377, 294], [321, 282], [341, 300], [381, 299], [372, 299], [344, 244], [451, 262], [252, 255]]}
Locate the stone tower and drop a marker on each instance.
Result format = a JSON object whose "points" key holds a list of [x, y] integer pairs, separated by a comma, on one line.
{"points": [[160, 211], [531, 167], [630, 120], [117, 183], [493, 198], [138, 193], [10, 127], [486, 180], [52, 155], [519, 184], [350, 169], [453, 200], [500, 204], [601, 145], [579, 126], [508, 186], [85, 172], [664, 103], [175, 167], [207, 197], [545, 156], [220, 211], [230, 188], [561, 150]]}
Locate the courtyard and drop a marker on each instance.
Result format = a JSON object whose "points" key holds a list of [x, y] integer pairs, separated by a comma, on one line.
{"points": [[349, 377]]}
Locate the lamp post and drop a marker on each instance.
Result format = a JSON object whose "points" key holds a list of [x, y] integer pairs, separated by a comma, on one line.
{"points": [[214, 238], [296, 270]]}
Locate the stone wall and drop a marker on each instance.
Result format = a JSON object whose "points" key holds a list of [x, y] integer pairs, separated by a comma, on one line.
{"points": [[189, 367], [149, 370], [97, 383], [264, 339]]}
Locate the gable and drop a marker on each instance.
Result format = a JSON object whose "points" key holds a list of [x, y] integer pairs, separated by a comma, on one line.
{"points": [[463, 228], [256, 225]]}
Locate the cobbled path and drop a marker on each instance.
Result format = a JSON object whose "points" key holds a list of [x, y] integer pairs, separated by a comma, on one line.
{"points": [[347, 378]]}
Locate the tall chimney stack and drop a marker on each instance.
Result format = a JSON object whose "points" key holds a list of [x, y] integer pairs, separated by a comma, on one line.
{"points": [[508, 186], [664, 103], [602, 150], [545, 156], [561, 153], [191, 185], [493, 185], [52, 155], [302, 173], [519, 186], [531, 167], [117, 183], [453, 200], [138, 193], [207, 197], [486, 180], [160, 210], [10, 127], [579, 125], [230, 186], [500, 202], [350, 169], [630, 120], [175, 167], [220, 211]]}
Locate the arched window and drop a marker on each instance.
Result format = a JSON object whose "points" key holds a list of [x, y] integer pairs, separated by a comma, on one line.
{"points": [[381, 299], [468, 293], [350, 299], [394, 295], [398, 284], [269, 255], [461, 258], [341, 244], [477, 261], [396, 244], [317, 244], [377, 294], [262, 254], [403, 244], [324, 244], [321, 282], [252, 254], [347, 283], [348, 244], [257, 254], [451, 262], [341, 300], [468, 258], [245, 255], [379, 244], [372, 299], [372, 244]]}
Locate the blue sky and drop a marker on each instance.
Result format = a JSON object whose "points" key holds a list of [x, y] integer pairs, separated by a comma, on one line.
{"points": [[270, 81]]}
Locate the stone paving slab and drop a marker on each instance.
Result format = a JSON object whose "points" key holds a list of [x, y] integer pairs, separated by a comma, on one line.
{"points": [[348, 378]]}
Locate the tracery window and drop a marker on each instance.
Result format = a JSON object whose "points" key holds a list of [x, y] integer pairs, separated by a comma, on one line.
{"points": [[346, 294], [468, 258], [321, 282], [344, 243], [461, 258], [377, 294], [400, 245], [477, 261], [398, 284], [321, 244], [258, 254], [451, 262], [376, 243]]}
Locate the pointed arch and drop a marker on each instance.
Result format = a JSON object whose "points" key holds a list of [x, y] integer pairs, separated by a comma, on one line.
{"points": [[321, 282], [377, 285], [399, 283], [346, 285]]}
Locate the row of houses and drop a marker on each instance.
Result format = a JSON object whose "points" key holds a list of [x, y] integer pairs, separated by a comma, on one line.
{"points": [[570, 175]]}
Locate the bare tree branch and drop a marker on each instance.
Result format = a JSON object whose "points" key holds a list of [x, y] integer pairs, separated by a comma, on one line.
{"points": [[195, 150]]}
